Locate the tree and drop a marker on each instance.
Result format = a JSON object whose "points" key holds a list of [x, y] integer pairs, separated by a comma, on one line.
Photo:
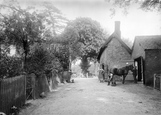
{"points": [[53, 20], [10, 66], [23, 27], [151, 5], [54, 25], [85, 37], [147, 5]]}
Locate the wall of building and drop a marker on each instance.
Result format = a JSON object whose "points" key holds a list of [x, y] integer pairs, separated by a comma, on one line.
{"points": [[138, 51], [114, 54], [152, 65]]}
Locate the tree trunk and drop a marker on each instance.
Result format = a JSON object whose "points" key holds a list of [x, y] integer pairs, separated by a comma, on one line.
{"points": [[26, 50], [70, 64], [84, 65]]}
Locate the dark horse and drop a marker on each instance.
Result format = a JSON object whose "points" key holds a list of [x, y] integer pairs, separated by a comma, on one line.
{"points": [[121, 72]]}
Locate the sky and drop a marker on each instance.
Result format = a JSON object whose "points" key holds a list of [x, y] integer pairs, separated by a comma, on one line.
{"points": [[136, 23]]}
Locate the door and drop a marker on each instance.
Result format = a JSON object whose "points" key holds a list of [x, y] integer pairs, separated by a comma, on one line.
{"points": [[140, 68]]}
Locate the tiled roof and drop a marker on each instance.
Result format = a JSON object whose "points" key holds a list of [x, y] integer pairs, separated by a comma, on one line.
{"points": [[114, 35], [148, 42]]}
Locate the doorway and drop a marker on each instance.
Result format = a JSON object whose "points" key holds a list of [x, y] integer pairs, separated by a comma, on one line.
{"points": [[139, 63]]}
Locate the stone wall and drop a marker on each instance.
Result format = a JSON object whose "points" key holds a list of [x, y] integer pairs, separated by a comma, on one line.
{"points": [[114, 54]]}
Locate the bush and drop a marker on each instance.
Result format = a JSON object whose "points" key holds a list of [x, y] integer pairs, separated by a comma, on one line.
{"points": [[10, 66], [37, 60]]}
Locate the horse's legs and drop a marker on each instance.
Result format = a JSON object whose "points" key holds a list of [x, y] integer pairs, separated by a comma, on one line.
{"points": [[114, 81], [123, 81], [109, 79], [135, 81]]}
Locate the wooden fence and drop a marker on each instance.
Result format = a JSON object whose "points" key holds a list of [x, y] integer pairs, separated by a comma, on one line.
{"points": [[30, 86], [157, 81], [12, 93]]}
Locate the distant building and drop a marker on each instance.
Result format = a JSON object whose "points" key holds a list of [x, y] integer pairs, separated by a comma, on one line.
{"points": [[115, 53]]}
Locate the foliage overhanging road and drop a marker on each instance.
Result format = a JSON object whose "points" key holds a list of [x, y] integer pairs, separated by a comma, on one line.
{"points": [[89, 97]]}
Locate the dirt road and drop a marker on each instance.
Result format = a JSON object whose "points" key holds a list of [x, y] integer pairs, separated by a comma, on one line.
{"points": [[89, 97]]}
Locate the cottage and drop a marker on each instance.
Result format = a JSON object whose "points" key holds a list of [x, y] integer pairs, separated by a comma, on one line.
{"points": [[146, 52], [114, 53]]}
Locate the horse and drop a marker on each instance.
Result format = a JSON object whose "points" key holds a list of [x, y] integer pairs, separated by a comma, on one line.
{"points": [[120, 72]]}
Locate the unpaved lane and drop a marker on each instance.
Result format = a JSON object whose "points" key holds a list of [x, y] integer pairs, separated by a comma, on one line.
{"points": [[89, 97]]}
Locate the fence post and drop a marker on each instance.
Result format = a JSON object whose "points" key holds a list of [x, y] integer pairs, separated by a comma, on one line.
{"points": [[0, 93], [33, 86], [25, 86], [157, 81]]}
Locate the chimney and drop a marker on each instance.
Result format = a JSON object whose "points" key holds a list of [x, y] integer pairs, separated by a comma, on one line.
{"points": [[117, 28]]}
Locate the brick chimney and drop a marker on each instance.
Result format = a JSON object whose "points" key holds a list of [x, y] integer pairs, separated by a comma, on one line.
{"points": [[117, 28]]}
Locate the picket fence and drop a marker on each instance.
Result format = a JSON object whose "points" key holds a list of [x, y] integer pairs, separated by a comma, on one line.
{"points": [[12, 93]]}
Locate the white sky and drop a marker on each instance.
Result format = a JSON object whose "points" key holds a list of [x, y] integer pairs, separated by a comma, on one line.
{"points": [[137, 22]]}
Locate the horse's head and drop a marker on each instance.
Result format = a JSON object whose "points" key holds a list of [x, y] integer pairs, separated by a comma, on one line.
{"points": [[130, 67]]}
